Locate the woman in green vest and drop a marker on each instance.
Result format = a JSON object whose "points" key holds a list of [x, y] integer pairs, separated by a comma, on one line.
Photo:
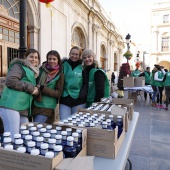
{"points": [[147, 76], [16, 98], [167, 88], [158, 81], [135, 73], [50, 83], [73, 97], [98, 83]]}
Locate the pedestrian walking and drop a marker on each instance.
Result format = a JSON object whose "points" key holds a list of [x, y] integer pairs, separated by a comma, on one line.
{"points": [[158, 78], [113, 78], [167, 88], [50, 83], [20, 88]]}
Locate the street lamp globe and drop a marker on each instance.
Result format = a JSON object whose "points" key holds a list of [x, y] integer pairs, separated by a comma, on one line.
{"points": [[128, 36]]}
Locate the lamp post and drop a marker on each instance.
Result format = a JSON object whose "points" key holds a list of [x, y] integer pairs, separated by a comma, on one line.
{"points": [[128, 36], [22, 28], [144, 59], [137, 56]]}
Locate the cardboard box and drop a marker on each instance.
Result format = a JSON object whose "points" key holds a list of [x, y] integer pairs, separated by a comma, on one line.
{"points": [[78, 163], [104, 143], [128, 81], [2, 83], [19, 161], [129, 103], [132, 95], [12, 160], [139, 82]]}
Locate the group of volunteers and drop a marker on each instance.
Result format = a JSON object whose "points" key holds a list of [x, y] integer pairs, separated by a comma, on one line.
{"points": [[34, 91], [159, 79]]}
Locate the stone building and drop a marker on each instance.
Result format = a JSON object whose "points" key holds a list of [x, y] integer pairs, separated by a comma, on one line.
{"points": [[66, 23], [160, 34]]}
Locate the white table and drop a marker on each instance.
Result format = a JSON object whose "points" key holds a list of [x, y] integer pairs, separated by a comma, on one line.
{"points": [[120, 162]]}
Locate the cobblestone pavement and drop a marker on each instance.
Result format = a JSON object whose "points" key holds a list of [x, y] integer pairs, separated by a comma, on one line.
{"points": [[150, 148]]}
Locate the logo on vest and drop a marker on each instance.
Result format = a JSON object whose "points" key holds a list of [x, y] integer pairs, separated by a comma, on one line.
{"points": [[77, 74]]}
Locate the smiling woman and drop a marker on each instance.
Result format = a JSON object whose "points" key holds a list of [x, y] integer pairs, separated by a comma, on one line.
{"points": [[50, 83], [20, 88]]}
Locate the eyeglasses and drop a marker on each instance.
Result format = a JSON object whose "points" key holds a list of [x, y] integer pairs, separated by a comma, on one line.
{"points": [[76, 54]]}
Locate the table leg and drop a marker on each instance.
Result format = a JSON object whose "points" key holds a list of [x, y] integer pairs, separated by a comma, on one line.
{"points": [[130, 164]]}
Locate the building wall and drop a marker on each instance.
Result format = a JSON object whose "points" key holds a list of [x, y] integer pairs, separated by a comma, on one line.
{"points": [[55, 27], [160, 29]]}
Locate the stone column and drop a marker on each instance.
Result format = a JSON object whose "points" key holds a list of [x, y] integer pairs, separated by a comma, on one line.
{"points": [[33, 37]]}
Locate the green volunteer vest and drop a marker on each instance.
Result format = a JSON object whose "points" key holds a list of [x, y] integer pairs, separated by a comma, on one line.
{"points": [[92, 88], [135, 73], [147, 77], [159, 83], [72, 80], [167, 81], [47, 101], [18, 100]]}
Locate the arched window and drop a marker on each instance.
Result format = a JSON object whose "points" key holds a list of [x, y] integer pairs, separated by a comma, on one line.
{"points": [[10, 7], [78, 38]]}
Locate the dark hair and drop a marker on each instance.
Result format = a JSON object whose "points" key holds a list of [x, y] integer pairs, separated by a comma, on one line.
{"points": [[56, 54], [166, 70], [76, 48], [159, 68], [147, 68], [29, 51]]}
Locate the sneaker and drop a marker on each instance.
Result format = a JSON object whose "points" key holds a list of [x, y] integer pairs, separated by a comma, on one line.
{"points": [[153, 105], [161, 106], [157, 106], [166, 108]]}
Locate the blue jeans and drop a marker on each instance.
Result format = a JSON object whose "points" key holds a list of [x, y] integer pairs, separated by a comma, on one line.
{"points": [[154, 96], [12, 120], [40, 118], [66, 111]]}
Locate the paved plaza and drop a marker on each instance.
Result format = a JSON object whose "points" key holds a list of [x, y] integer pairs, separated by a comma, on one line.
{"points": [[150, 148]]}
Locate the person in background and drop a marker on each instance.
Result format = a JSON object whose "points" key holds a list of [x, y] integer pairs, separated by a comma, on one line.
{"points": [[153, 86], [16, 98], [73, 97], [135, 73], [167, 88], [147, 76], [158, 78], [113, 78], [98, 84], [50, 83]]}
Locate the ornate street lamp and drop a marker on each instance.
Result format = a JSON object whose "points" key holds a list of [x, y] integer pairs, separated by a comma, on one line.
{"points": [[128, 36], [22, 28], [128, 54]]}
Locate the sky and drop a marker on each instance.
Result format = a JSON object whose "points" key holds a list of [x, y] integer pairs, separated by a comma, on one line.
{"points": [[133, 17]]}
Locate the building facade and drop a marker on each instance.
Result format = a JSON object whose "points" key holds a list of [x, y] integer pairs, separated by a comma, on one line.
{"points": [[160, 34], [66, 23]]}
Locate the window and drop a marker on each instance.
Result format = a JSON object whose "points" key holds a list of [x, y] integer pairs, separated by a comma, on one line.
{"points": [[11, 7], [166, 18], [9, 35], [11, 53], [165, 44]]}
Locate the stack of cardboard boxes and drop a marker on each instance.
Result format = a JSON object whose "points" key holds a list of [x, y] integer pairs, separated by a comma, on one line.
{"points": [[133, 82]]}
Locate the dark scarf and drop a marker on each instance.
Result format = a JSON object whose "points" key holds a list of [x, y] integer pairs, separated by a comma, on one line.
{"points": [[52, 72]]}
